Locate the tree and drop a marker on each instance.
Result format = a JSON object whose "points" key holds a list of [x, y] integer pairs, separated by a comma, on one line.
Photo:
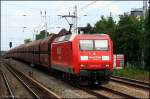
{"points": [[89, 29], [147, 40], [86, 30], [41, 35], [105, 25], [126, 38], [100, 26], [27, 41]]}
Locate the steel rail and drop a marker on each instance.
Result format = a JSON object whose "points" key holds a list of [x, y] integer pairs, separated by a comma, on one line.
{"points": [[118, 92], [77, 86], [91, 92], [7, 84], [99, 95], [145, 87], [133, 80], [36, 86], [28, 88], [95, 93]]}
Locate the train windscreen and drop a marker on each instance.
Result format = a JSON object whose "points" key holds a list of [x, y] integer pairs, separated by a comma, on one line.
{"points": [[101, 44], [87, 45]]}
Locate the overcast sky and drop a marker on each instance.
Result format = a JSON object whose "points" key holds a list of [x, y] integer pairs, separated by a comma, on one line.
{"points": [[12, 21]]}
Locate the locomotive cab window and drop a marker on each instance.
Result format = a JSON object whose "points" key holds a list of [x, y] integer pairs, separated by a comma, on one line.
{"points": [[101, 44], [87, 45]]}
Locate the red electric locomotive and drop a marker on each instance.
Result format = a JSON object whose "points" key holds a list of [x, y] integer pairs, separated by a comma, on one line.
{"points": [[81, 57]]}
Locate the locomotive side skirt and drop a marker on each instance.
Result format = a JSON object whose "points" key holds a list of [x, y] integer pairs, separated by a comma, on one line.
{"points": [[63, 68]]}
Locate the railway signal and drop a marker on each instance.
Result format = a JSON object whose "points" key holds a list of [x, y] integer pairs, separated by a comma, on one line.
{"points": [[10, 44]]}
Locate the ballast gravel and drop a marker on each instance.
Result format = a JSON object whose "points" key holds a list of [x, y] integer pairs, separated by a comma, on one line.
{"points": [[18, 90], [57, 86]]}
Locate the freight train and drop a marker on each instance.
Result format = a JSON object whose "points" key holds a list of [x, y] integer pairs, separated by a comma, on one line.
{"points": [[82, 57]]}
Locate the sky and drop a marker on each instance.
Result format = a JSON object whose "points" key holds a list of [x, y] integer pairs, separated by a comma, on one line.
{"points": [[13, 21]]}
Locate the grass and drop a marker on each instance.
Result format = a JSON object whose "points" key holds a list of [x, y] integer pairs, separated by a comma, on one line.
{"points": [[135, 73]]}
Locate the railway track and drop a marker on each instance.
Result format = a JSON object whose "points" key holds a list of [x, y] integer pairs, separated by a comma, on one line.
{"points": [[104, 92], [131, 82], [117, 93], [10, 92], [34, 87], [101, 91]]}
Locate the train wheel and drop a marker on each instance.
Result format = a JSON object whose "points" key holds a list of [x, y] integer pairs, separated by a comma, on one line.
{"points": [[49, 69], [75, 79], [103, 81]]}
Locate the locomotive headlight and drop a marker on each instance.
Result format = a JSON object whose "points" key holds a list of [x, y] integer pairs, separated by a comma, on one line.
{"points": [[83, 66], [83, 57], [105, 57], [107, 65]]}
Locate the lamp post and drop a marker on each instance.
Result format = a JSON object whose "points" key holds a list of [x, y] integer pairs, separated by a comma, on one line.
{"points": [[24, 27]]}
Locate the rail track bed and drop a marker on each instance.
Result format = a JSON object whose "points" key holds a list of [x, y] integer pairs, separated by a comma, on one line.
{"points": [[79, 91], [131, 82], [104, 92], [11, 86], [111, 93], [98, 91], [33, 87], [5, 88], [62, 89]]}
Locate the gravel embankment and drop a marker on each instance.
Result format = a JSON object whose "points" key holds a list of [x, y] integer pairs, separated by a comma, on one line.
{"points": [[57, 86]]}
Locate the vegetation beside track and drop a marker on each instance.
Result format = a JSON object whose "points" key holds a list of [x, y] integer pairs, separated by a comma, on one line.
{"points": [[134, 73]]}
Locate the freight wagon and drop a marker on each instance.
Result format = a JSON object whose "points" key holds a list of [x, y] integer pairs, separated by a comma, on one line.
{"points": [[82, 57]]}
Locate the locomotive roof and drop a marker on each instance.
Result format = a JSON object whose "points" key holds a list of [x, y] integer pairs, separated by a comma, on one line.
{"points": [[70, 37], [94, 35]]}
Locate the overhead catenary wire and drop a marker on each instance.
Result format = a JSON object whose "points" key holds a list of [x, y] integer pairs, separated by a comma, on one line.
{"points": [[40, 24], [86, 6], [34, 9]]}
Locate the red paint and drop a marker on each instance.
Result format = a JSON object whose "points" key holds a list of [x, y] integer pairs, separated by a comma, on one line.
{"points": [[70, 54]]}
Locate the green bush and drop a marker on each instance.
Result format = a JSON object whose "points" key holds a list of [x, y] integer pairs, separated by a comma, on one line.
{"points": [[133, 72]]}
